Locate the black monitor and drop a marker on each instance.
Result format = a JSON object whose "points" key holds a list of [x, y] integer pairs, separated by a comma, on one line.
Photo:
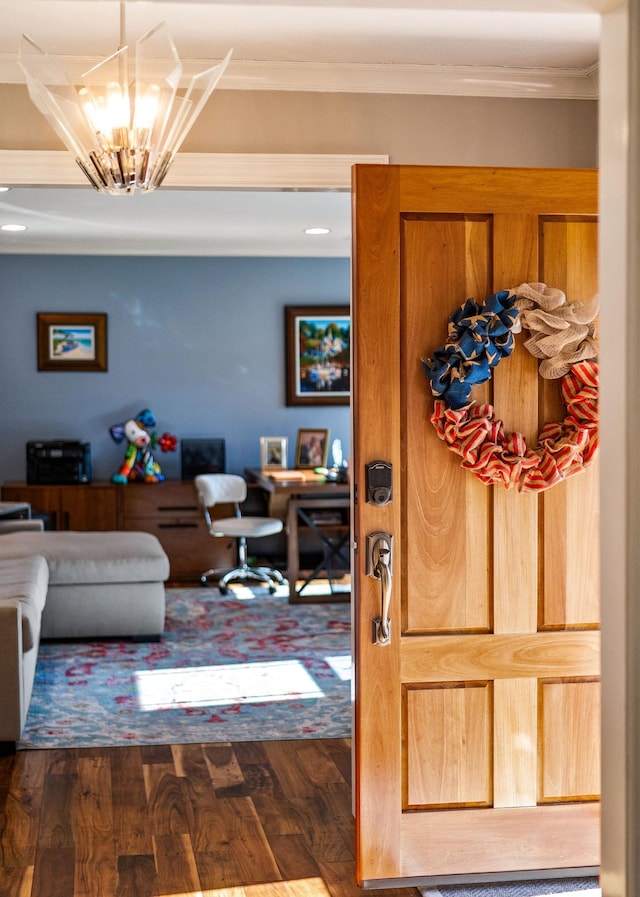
{"points": [[202, 456]]}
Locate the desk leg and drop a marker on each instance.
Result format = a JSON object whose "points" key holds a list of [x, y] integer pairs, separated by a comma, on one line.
{"points": [[334, 549], [293, 549]]}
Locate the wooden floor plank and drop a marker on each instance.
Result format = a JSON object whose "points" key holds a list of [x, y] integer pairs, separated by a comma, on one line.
{"points": [[248, 819], [56, 829], [341, 883], [16, 882], [340, 752], [217, 870], [176, 865], [224, 769], [330, 839], [225, 892], [293, 856], [156, 753], [22, 807], [285, 760], [208, 831], [170, 810], [250, 847], [137, 877], [130, 808], [318, 764], [54, 873], [92, 821]]}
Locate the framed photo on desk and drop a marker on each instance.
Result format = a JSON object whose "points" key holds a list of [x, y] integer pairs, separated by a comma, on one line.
{"points": [[312, 448], [273, 452]]}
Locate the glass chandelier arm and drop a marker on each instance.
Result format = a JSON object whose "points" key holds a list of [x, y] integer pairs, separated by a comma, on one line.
{"points": [[124, 135], [53, 94], [158, 72], [185, 111], [188, 107]]}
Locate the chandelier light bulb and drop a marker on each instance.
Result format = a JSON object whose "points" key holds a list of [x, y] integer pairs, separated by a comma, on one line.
{"points": [[147, 109], [124, 133]]}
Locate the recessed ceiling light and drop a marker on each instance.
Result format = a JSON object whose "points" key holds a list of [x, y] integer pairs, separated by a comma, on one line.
{"points": [[13, 227], [317, 230], [4, 189]]}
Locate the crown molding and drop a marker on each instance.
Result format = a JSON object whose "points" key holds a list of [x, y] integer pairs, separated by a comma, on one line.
{"points": [[460, 80], [425, 80], [31, 168]]}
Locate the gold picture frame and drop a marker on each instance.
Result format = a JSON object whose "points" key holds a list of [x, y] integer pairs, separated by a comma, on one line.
{"points": [[312, 448]]}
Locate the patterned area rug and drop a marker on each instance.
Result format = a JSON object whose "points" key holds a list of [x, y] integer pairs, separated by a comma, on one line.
{"points": [[242, 667]]}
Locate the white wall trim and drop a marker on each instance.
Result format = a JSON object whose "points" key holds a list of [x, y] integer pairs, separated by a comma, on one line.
{"points": [[309, 171], [384, 78], [619, 128], [413, 79]]}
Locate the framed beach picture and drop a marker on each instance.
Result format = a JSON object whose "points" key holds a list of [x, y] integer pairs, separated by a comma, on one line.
{"points": [[312, 448], [72, 342], [273, 452], [318, 341]]}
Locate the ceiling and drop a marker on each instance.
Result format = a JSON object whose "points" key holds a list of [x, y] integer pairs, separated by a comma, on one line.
{"points": [[176, 222], [488, 47]]}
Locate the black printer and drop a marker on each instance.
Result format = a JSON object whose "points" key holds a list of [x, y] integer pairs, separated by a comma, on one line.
{"points": [[58, 462]]}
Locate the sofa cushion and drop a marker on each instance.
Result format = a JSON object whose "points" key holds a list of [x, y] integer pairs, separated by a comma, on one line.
{"points": [[82, 557], [25, 580]]}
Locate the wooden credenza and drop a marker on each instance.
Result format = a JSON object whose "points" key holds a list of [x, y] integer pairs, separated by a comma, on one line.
{"points": [[82, 507], [168, 510]]}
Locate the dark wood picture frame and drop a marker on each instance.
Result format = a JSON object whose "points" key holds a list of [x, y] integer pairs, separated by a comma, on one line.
{"points": [[318, 345], [72, 342]]}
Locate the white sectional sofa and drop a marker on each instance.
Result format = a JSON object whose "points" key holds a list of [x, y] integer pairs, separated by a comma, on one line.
{"points": [[70, 585]]}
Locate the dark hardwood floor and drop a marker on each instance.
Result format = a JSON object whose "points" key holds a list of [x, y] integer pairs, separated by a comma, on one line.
{"points": [[255, 819]]}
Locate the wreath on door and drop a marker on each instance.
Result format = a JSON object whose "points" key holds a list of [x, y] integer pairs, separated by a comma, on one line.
{"points": [[563, 336]]}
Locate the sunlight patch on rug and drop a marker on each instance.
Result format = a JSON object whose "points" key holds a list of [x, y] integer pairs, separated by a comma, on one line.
{"points": [[279, 680], [341, 666]]}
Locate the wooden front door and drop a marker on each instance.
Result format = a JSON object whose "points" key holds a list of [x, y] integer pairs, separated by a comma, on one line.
{"points": [[477, 726]]}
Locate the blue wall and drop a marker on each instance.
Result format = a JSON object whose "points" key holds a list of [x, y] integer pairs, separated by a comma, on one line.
{"points": [[199, 341]]}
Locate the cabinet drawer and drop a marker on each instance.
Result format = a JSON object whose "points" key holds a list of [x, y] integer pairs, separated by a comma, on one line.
{"points": [[160, 499], [189, 547]]}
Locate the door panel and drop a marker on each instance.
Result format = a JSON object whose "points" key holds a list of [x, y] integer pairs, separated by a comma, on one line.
{"points": [[569, 737], [448, 745], [447, 546], [471, 725]]}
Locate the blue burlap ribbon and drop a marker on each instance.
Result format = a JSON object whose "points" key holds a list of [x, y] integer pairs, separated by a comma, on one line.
{"points": [[479, 337]]}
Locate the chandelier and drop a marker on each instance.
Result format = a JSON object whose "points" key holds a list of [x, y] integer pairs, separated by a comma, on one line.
{"points": [[123, 126]]}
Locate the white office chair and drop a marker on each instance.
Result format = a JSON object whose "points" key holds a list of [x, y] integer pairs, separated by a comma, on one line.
{"points": [[216, 488]]}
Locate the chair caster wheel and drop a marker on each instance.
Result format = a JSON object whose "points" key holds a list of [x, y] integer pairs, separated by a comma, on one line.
{"points": [[223, 590], [204, 581], [272, 590]]}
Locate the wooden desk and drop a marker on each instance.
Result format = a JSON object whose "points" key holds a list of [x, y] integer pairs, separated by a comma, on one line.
{"points": [[295, 501], [312, 484]]}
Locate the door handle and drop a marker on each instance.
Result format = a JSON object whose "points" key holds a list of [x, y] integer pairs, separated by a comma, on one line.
{"points": [[379, 565]]}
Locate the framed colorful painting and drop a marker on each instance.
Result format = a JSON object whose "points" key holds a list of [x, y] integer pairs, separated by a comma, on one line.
{"points": [[318, 340]]}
